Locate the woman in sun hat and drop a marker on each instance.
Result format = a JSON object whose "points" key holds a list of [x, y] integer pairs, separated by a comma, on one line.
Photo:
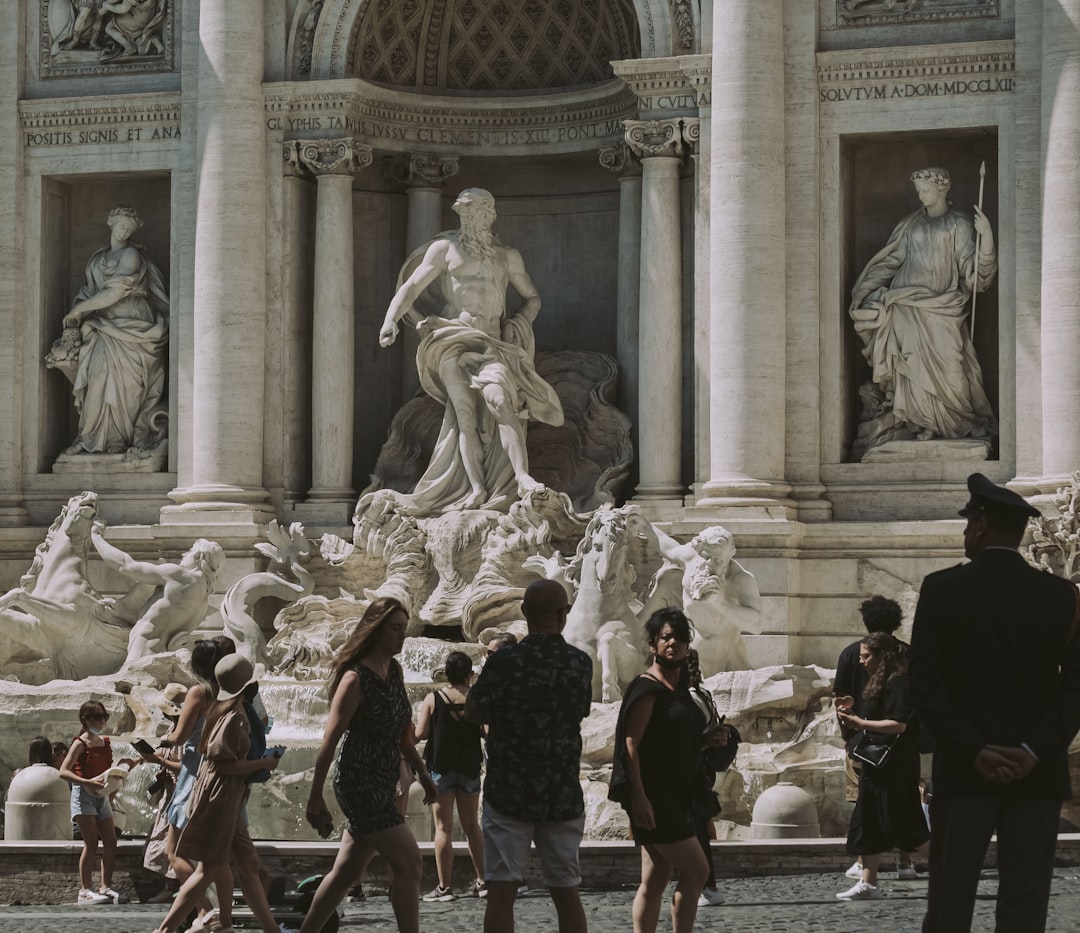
{"points": [[156, 855], [186, 733], [215, 834]]}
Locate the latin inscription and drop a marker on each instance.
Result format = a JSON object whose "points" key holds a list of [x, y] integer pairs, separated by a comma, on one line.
{"points": [[943, 88], [449, 136], [131, 134]]}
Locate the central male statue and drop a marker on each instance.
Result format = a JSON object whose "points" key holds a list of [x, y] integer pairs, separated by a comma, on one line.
{"points": [[477, 360]]}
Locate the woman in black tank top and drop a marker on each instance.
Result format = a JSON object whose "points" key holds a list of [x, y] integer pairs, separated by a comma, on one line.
{"points": [[453, 757]]}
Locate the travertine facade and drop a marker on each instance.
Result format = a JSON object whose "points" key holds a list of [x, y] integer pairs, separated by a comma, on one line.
{"points": [[695, 187]]}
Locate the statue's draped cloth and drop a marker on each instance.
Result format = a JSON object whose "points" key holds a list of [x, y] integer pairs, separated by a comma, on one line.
{"points": [[918, 288], [488, 361], [121, 376]]}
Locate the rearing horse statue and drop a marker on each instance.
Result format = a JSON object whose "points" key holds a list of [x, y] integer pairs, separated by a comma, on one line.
{"points": [[602, 621], [56, 616]]}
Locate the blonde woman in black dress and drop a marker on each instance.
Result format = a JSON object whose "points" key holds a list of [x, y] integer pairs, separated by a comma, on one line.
{"points": [[369, 707]]}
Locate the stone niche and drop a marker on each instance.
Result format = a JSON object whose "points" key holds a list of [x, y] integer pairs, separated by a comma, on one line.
{"points": [[74, 213], [877, 192]]}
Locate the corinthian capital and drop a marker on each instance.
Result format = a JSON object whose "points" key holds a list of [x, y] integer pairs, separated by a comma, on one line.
{"points": [[422, 169], [334, 156], [620, 160], [659, 137]]}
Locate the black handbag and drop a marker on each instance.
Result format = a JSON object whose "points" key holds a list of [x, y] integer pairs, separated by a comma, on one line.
{"points": [[872, 748]]}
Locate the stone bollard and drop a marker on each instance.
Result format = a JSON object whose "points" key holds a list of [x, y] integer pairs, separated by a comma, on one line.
{"points": [[418, 815], [785, 811], [38, 805]]}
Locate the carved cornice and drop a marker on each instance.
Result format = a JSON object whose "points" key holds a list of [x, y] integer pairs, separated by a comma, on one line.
{"points": [[668, 85], [422, 169], [334, 156], [990, 66], [892, 12], [406, 122], [620, 161], [78, 121], [650, 138]]}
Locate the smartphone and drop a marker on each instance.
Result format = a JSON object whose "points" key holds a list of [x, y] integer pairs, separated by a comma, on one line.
{"points": [[143, 747], [277, 751]]}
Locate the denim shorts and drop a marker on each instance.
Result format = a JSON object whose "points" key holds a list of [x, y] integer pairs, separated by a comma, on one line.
{"points": [[455, 780], [83, 803]]}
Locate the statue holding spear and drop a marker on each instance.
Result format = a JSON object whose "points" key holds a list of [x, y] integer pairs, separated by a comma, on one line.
{"points": [[908, 306], [978, 244]]}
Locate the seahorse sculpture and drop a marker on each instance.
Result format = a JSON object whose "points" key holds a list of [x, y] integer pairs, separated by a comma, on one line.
{"points": [[285, 551]]}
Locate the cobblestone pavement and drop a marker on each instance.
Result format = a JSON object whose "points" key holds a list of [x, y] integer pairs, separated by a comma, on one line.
{"points": [[793, 904]]}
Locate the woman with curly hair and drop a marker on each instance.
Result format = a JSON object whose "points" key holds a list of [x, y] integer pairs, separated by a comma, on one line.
{"points": [[888, 813], [369, 707], [655, 775]]}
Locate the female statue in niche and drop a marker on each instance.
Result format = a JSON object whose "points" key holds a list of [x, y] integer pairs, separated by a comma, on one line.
{"points": [[114, 345], [910, 306]]}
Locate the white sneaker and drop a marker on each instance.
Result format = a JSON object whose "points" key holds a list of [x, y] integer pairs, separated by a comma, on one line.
{"points": [[440, 894], [203, 922], [906, 873], [860, 891], [113, 895], [88, 898], [855, 872], [710, 897]]}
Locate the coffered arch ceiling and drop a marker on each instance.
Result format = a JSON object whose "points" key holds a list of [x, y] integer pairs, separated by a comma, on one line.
{"points": [[491, 46], [484, 47]]}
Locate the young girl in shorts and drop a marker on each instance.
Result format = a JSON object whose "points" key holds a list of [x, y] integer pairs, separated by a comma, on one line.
{"points": [[85, 768]]}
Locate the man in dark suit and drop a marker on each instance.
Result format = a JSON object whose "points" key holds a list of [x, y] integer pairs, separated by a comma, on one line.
{"points": [[995, 677]]}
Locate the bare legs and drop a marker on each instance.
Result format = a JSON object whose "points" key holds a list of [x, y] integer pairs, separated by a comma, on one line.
{"points": [[869, 868], [181, 866], [248, 873], [657, 863], [568, 906], [443, 811], [92, 831], [402, 856], [194, 889], [499, 913], [463, 397]]}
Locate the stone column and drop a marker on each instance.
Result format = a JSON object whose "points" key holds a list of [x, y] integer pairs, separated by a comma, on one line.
{"points": [[333, 162], [298, 287], [1060, 242], [423, 176], [660, 145], [621, 161], [229, 365], [15, 361], [747, 324]]}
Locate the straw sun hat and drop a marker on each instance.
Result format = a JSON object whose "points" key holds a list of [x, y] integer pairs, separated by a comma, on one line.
{"points": [[171, 699], [233, 673]]}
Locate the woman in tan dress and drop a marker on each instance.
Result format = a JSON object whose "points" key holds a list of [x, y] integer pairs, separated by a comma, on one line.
{"points": [[215, 832]]}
